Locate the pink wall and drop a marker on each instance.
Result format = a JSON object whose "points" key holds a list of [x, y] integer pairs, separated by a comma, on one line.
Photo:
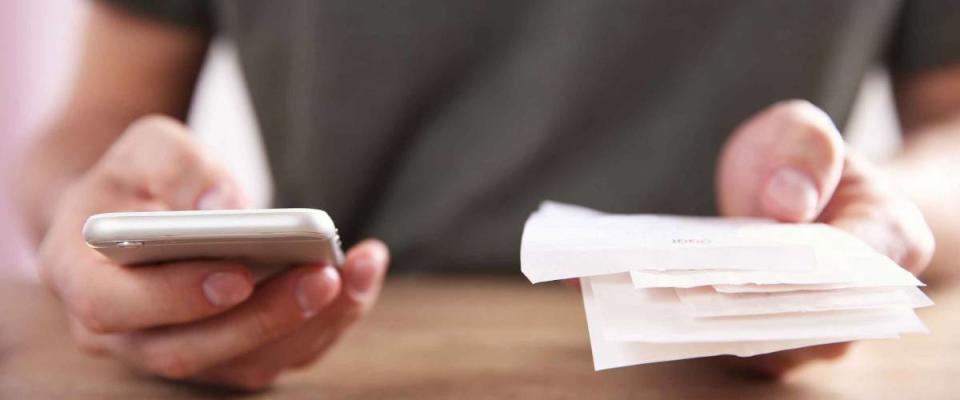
{"points": [[38, 40]]}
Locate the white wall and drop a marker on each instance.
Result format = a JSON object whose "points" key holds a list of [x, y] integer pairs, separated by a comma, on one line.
{"points": [[873, 128], [223, 119], [38, 43]]}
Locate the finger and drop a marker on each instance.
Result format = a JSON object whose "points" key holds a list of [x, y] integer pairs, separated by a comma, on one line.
{"points": [[224, 194], [363, 271], [783, 163], [256, 369], [105, 297], [905, 240], [777, 365], [156, 158], [888, 222], [279, 307], [572, 282]]}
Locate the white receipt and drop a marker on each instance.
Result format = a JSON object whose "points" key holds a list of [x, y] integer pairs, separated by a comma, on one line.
{"points": [[610, 354], [704, 301], [658, 315], [569, 247], [659, 288], [776, 288], [832, 268], [561, 242]]}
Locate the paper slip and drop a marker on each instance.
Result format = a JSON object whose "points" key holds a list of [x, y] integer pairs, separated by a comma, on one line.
{"points": [[560, 246], [560, 249], [830, 268], [668, 320], [704, 301], [659, 288], [754, 288], [611, 354]]}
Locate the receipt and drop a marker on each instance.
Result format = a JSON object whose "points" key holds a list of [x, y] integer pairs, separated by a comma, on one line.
{"points": [[615, 354], [561, 242], [775, 288], [831, 268], [569, 247], [658, 315], [659, 288], [704, 301]]}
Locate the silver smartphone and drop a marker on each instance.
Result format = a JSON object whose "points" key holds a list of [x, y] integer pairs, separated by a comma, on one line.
{"points": [[269, 238]]}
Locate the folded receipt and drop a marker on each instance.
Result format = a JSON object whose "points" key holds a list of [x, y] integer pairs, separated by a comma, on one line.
{"points": [[659, 288]]}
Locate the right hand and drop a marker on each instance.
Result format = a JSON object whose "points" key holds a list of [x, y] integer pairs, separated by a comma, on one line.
{"points": [[789, 163], [200, 321]]}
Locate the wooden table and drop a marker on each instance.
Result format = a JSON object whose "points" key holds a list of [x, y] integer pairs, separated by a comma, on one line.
{"points": [[478, 337]]}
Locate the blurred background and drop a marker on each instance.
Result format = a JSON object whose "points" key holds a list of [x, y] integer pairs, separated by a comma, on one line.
{"points": [[38, 48]]}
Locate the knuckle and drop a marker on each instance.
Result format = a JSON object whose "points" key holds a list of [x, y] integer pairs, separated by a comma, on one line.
{"points": [[146, 132], [110, 173], [353, 313], [266, 326], [172, 168], [88, 344], [153, 125], [166, 179], [913, 237], [799, 111], [45, 269], [919, 250], [251, 379], [803, 115], [177, 159], [793, 108], [168, 363], [812, 132], [184, 154], [149, 137], [84, 302], [154, 133], [307, 360], [86, 341], [87, 311]]}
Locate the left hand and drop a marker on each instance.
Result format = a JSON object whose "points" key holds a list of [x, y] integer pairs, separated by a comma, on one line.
{"points": [[789, 163], [196, 320]]}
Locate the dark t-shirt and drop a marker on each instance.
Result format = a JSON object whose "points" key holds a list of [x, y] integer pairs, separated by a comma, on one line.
{"points": [[439, 125]]}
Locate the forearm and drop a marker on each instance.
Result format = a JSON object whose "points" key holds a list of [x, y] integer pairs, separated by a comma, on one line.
{"points": [[129, 67], [58, 157]]}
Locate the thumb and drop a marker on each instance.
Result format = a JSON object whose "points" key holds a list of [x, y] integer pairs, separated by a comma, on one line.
{"points": [[225, 194], [783, 163], [156, 159]]}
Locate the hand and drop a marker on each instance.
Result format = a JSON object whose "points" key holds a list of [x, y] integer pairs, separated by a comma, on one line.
{"points": [[200, 321], [789, 163]]}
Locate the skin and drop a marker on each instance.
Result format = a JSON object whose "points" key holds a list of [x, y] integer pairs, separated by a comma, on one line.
{"points": [[204, 322], [192, 321]]}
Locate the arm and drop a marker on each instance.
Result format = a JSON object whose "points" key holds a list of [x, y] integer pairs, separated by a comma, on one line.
{"points": [[927, 169], [130, 67], [195, 320]]}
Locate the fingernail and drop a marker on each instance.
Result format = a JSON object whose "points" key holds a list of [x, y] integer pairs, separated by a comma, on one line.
{"points": [[363, 275], [215, 198], [317, 289], [224, 289], [794, 193]]}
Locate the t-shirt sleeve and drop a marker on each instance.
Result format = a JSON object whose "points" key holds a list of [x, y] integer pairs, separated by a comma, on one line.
{"points": [[928, 36], [195, 14]]}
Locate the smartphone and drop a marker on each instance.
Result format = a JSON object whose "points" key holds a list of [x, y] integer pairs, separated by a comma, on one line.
{"points": [[268, 238]]}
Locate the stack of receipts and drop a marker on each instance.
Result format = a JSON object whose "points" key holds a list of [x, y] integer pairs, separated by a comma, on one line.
{"points": [[660, 288]]}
